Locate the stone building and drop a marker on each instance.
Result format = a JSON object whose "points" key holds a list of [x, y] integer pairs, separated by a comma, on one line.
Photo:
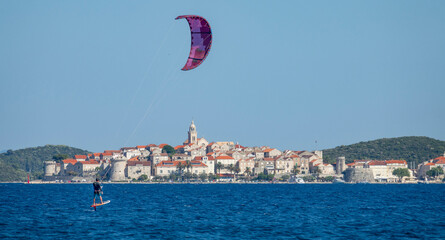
{"points": [[135, 169]]}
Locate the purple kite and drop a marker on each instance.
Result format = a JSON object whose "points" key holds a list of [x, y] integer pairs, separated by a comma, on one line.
{"points": [[201, 40]]}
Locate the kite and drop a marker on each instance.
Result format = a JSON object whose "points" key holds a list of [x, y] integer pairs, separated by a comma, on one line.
{"points": [[201, 40]]}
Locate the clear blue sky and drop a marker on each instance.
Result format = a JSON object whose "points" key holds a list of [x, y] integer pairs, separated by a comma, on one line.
{"points": [[102, 75]]}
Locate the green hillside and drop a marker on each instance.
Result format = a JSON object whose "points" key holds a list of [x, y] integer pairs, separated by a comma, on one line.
{"points": [[15, 164], [411, 149]]}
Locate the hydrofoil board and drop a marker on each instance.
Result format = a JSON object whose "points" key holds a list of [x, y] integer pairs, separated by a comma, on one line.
{"points": [[100, 204]]}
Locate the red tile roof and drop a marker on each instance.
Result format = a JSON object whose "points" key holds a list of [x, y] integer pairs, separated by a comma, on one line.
{"points": [[107, 154], [430, 164], [179, 146], [133, 159], [396, 162], [89, 162], [134, 163], [439, 160], [80, 156], [141, 146], [224, 157], [268, 150], [70, 160], [376, 162], [162, 145], [112, 151]]}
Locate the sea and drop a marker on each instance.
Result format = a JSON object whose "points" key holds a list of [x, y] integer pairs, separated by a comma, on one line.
{"points": [[223, 211]]}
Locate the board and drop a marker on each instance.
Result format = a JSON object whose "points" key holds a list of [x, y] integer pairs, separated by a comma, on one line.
{"points": [[100, 204]]}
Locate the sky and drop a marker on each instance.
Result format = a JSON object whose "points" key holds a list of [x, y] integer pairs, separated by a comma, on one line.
{"points": [[298, 75]]}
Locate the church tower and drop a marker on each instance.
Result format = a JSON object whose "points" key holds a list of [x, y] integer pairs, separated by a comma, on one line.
{"points": [[193, 134]]}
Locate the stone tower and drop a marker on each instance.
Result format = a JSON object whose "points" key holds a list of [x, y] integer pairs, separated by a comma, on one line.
{"points": [[117, 172], [50, 168], [341, 165], [193, 134]]}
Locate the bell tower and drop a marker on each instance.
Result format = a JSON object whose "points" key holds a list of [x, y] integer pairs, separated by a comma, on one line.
{"points": [[193, 134]]}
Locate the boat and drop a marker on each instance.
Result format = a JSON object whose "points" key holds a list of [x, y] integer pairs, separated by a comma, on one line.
{"points": [[338, 181]]}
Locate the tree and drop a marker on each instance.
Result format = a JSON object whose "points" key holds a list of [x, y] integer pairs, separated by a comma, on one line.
{"points": [[285, 178], [329, 179], [143, 177], [236, 168], [179, 168], [309, 178], [188, 165], [169, 150], [400, 173], [188, 175], [173, 177], [203, 176], [295, 170], [212, 177], [60, 157], [194, 176], [219, 166], [434, 172], [247, 172]]}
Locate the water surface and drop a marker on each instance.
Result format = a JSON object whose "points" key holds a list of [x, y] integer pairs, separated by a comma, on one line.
{"points": [[223, 211]]}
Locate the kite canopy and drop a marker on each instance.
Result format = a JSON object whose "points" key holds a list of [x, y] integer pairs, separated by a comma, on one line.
{"points": [[201, 40]]}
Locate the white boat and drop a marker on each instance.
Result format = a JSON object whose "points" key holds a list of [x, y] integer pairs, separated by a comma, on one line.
{"points": [[338, 180]]}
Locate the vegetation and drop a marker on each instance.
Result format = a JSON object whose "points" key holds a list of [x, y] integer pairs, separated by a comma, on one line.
{"points": [[16, 164], [60, 157], [284, 178], [411, 149], [434, 172], [309, 178], [169, 150], [400, 173], [327, 179], [265, 177], [143, 177]]}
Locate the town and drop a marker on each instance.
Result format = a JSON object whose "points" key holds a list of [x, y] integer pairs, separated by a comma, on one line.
{"points": [[197, 160]]}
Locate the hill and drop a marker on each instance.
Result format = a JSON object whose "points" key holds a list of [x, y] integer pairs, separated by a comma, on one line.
{"points": [[14, 165], [411, 149]]}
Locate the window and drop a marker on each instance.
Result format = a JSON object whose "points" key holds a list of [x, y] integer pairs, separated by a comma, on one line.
{"points": [[160, 171]]}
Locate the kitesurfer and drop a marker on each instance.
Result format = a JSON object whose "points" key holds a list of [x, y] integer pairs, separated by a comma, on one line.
{"points": [[97, 191]]}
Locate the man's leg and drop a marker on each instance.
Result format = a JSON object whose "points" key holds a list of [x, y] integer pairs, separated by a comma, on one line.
{"points": [[102, 202]]}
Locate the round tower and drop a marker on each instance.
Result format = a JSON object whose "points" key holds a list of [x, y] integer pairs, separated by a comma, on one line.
{"points": [[50, 168], [341, 165], [117, 172]]}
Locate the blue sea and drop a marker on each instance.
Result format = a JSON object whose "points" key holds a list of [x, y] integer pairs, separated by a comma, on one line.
{"points": [[223, 211]]}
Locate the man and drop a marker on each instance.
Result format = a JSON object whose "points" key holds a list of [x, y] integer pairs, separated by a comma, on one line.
{"points": [[97, 191]]}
